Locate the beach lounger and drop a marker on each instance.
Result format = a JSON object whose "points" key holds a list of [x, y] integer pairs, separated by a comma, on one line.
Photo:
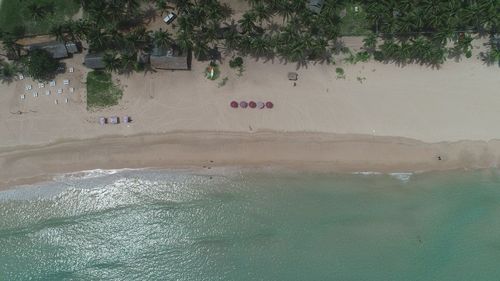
{"points": [[21, 77], [56, 102], [71, 90], [47, 93], [59, 91], [23, 97], [28, 87], [66, 82], [71, 70], [35, 94], [52, 83], [41, 85], [66, 100]]}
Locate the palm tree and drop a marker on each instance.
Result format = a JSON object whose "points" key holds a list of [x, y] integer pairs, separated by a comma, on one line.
{"points": [[247, 22], [128, 62], [8, 72], [112, 62], [40, 11], [162, 39]]}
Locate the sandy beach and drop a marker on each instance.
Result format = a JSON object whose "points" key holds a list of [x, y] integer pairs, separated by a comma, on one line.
{"points": [[401, 117]]}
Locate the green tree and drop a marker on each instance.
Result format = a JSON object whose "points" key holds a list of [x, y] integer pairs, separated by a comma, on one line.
{"points": [[112, 62], [8, 72], [40, 65]]}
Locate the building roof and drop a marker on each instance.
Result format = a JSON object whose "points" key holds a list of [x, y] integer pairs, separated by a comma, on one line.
{"points": [[57, 49], [172, 58], [94, 61], [170, 62], [315, 6]]}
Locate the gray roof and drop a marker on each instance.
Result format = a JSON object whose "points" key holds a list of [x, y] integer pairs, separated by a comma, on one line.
{"points": [[94, 61], [315, 6], [170, 62], [55, 48], [172, 58]]}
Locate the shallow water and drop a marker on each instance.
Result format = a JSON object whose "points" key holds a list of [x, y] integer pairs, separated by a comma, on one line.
{"points": [[159, 225]]}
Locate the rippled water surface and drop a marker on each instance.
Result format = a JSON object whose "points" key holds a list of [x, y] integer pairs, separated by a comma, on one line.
{"points": [[159, 225]]}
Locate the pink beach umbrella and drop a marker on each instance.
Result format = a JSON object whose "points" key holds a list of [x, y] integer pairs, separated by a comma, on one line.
{"points": [[252, 104], [102, 120], [243, 104], [234, 104], [260, 105], [269, 105]]}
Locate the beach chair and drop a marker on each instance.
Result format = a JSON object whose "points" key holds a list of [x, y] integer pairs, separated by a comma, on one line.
{"points": [[56, 102], [28, 87], [23, 97], [47, 93], [71, 70], [66, 82], [66, 100], [35, 94], [59, 91], [21, 77], [52, 83], [41, 85], [71, 90]]}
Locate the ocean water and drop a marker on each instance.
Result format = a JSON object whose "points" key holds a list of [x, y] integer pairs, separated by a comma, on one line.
{"points": [[253, 225]]}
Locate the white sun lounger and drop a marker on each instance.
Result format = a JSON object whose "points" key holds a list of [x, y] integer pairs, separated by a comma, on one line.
{"points": [[41, 85], [28, 87], [66, 100], [71, 90], [71, 70], [59, 91], [66, 82], [52, 83], [23, 97], [35, 94], [21, 77], [56, 102], [47, 93]]}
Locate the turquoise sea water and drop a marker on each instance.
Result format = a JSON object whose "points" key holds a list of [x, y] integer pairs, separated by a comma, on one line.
{"points": [[158, 225]]}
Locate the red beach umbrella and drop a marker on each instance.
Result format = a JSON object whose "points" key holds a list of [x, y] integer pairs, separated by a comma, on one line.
{"points": [[243, 104], [252, 104], [234, 104], [260, 105], [269, 105]]}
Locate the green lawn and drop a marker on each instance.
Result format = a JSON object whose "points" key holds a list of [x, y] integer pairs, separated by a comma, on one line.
{"points": [[101, 92], [354, 23], [14, 13]]}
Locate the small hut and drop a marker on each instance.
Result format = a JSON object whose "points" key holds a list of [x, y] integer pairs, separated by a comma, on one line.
{"points": [[94, 61], [293, 76]]}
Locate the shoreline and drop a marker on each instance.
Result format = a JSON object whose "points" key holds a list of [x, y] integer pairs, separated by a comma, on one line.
{"points": [[315, 152]]}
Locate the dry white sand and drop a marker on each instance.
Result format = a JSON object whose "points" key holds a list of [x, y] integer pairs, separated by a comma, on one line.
{"points": [[458, 102]]}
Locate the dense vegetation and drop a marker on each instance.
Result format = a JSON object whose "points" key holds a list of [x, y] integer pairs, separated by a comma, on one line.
{"points": [[420, 31], [401, 31], [40, 65], [101, 91], [34, 16]]}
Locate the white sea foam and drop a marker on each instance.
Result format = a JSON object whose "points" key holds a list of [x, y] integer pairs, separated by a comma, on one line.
{"points": [[366, 173], [89, 174], [404, 177]]}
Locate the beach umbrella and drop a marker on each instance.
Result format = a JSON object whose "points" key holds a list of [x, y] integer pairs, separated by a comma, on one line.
{"points": [[102, 120], [260, 105], [243, 104], [269, 104], [234, 104], [126, 119], [252, 104]]}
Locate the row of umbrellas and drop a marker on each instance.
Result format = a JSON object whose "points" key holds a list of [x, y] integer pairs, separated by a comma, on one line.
{"points": [[252, 104]]}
